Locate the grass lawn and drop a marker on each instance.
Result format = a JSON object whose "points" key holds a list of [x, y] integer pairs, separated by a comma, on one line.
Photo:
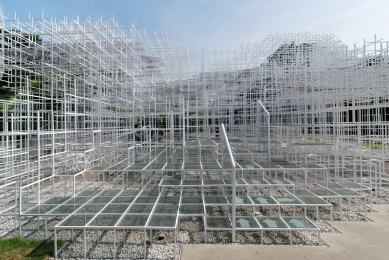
{"points": [[18, 248]]}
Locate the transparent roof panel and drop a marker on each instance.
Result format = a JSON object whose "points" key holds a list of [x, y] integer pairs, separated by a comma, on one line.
{"points": [[115, 208], [298, 222], [192, 209], [246, 222], [105, 220], [78, 220], [133, 220], [263, 200], [166, 209], [240, 200], [271, 222], [162, 221], [141, 208], [218, 222], [193, 199]]}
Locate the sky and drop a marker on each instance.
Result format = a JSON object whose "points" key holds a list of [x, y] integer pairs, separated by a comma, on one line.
{"points": [[223, 24]]}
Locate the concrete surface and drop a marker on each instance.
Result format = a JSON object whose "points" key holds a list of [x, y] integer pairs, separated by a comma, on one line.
{"points": [[360, 240]]}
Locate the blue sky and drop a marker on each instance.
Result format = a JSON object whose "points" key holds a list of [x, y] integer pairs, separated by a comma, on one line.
{"points": [[224, 24]]}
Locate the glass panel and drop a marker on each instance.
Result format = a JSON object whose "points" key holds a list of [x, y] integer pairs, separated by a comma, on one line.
{"points": [[263, 200], [171, 182], [146, 199], [213, 182], [239, 200], [64, 209], [133, 220], [109, 193], [89, 193], [141, 208], [301, 192], [39, 209], [166, 208], [191, 182], [215, 200], [347, 192], [101, 200], [296, 222], [194, 166], [91, 208], [278, 181], [192, 209], [311, 166], [312, 200], [129, 193], [56, 200], [78, 200], [218, 222], [352, 185], [105, 220], [173, 200], [150, 192], [256, 181], [246, 222], [269, 222], [324, 193], [123, 200], [78, 220], [286, 200], [162, 220], [115, 208], [191, 200], [267, 165]]}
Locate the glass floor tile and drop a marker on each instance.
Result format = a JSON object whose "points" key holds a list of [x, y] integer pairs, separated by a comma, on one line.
{"points": [[171, 199], [213, 182], [171, 182], [129, 193], [56, 200], [78, 220], [286, 200], [210, 166], [115, 208], [166, 209], [193, 199], [191, 182], [97, 168], [105, 220], [311, 166], [207, 143], [64, 209], [90, 208], [215, 200], [218, 222], [267, 165], [89, 193], [271, 222], [248, 165], [352, 185], [298, 222], [239, 200], [39, 209], [173, 166], [246, 222], [192, 209], [162, 221], [146, 199], [238, 182], [263, 200], [141, 208], [123, 200], [101, 199], [150, 192], [324, 193], [192, 166], [118, 167], [132, 220]]}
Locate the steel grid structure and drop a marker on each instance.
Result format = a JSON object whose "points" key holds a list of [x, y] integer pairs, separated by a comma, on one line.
{"points": [[292, 121]]}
